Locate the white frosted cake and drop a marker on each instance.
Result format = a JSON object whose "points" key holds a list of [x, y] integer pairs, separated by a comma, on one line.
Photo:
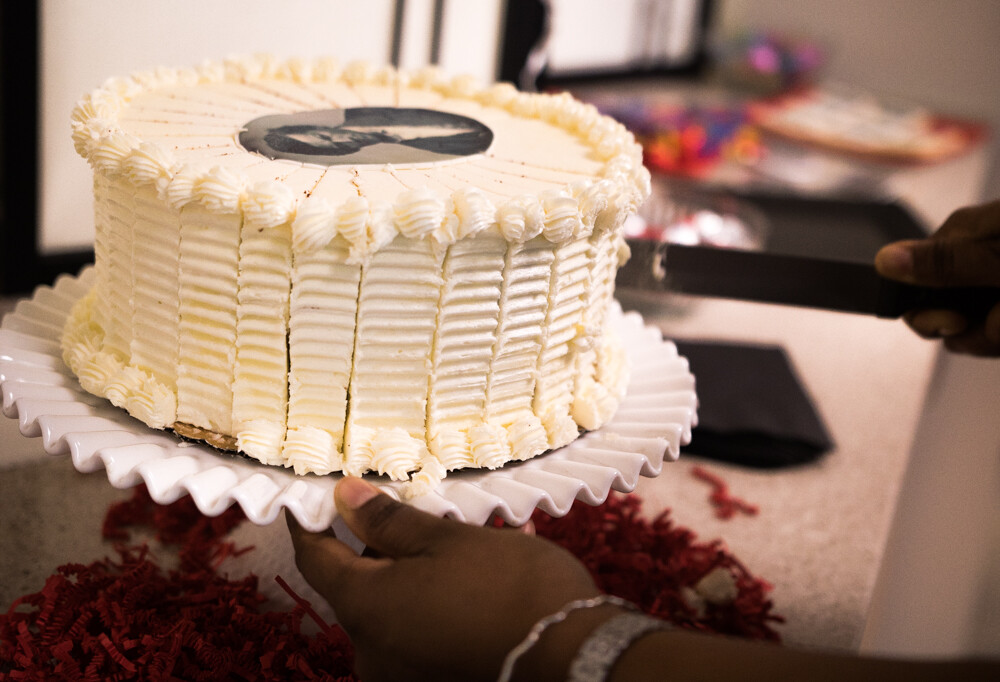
{"points": [[353, 269]]}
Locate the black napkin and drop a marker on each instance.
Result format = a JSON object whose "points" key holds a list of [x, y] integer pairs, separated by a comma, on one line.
{"points": [[752, 408]]}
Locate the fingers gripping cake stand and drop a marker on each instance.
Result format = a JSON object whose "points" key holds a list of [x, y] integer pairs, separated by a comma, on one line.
{"points": [[652, 423]]}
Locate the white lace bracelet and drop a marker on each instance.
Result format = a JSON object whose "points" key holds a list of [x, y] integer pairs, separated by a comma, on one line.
{"points": [[606, 644], [538, 628]]}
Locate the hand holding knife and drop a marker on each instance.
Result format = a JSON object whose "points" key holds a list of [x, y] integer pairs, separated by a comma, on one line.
{"points": [[946, 286], [962, 258]]}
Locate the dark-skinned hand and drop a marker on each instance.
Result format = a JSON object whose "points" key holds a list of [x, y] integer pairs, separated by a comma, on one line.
{"points": [[441, 599], [963, 252]]}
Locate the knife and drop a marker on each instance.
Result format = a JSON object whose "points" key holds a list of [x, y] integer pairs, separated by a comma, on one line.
{"points": [[791, 280]]}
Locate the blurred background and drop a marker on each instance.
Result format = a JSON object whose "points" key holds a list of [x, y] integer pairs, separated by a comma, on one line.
{"points": [[810, 128], [693, 77]]}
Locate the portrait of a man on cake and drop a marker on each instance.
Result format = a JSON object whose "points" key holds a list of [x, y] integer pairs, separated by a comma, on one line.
{"points": [[363, 135]]}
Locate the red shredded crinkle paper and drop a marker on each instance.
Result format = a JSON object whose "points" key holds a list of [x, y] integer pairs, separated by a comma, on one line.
{"points": [[658, 566], [128, 618], [726, 505]]}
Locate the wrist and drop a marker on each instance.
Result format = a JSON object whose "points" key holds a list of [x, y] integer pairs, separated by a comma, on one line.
{"points": [[558, 645], [600, 656], [633, 665]]}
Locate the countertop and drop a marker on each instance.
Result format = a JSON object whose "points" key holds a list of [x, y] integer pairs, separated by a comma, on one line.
{"points": [[822, 527], [822, 531]]}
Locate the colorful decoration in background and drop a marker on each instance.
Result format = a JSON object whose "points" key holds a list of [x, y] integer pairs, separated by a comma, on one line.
{"points": [[767, 62], [686, 140], [850, 121], [689, 140], [127, 618]]}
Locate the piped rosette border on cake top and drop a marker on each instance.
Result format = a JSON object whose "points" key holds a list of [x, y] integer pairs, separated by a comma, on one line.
{"points": [[623, 182]]}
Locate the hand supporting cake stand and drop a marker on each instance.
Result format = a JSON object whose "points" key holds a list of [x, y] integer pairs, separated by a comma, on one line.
{"points": [[652, 423]]}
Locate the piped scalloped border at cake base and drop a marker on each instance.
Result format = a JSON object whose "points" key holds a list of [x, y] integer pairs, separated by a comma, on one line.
{"points": [[391, 452]]}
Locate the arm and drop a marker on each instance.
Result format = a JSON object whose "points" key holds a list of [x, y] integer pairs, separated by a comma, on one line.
{"points": [[681, 655], [445, 600], [965, 251]]}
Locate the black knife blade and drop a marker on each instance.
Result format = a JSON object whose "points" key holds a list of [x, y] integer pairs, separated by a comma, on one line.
{"points": [[791, 280]]}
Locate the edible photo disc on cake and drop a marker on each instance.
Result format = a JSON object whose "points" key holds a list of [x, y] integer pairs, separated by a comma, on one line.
{"points": [[366, 135], [653, 421]]}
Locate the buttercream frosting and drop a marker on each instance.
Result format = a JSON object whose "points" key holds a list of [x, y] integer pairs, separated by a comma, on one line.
{"points": [[402, 318]]}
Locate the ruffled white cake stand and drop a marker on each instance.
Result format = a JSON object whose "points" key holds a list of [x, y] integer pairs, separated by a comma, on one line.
{"points": [[652, 423]]}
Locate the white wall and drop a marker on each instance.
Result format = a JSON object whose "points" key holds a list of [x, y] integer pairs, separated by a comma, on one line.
{"points": [[596, 35], [938, 592], [942, 54]]}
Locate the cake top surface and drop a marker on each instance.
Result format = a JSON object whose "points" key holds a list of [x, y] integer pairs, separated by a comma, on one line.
{"points": [[363, 152]]}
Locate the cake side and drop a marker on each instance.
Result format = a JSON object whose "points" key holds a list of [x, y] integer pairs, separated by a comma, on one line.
{"points": [[447, 326]]}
